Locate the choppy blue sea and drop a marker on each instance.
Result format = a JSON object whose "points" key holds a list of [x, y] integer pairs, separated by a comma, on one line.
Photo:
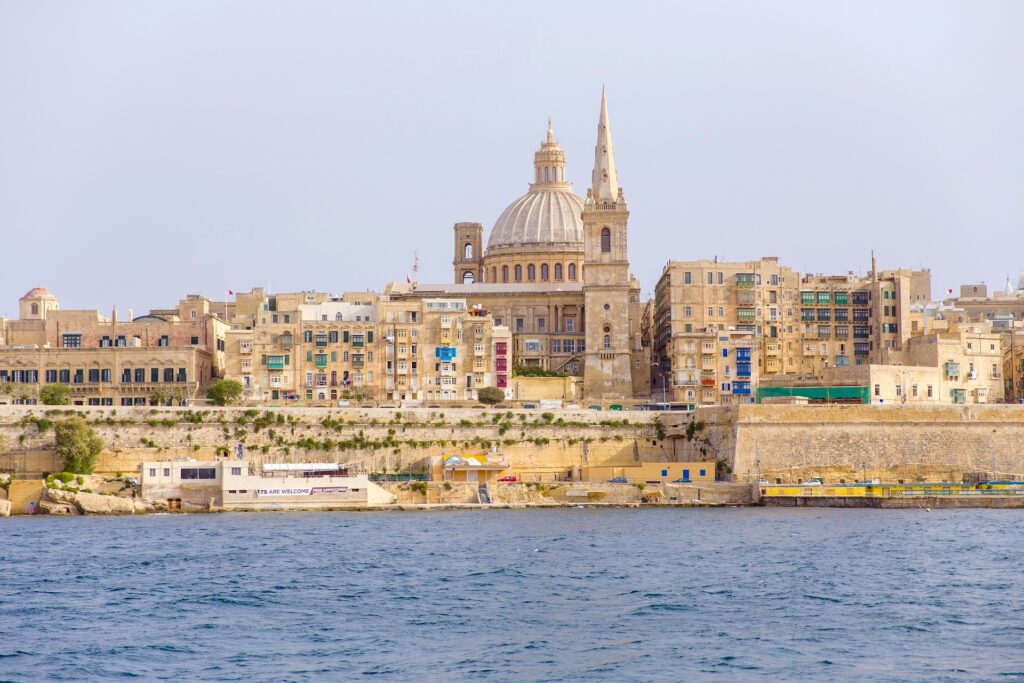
{"points": [[532, 595]]}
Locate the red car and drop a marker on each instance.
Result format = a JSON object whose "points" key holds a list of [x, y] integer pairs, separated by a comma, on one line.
{"points": [[509, 479]]}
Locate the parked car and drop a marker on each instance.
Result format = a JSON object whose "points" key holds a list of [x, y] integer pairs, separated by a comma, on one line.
{"points": [[618, 480], [344, 404], [813, 481], [509, 479]]}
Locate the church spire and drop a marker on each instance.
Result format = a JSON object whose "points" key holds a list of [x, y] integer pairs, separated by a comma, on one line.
{"points": [[605, 181]]}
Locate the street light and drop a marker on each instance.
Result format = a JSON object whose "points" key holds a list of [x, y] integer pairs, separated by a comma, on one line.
{"points": [[663, 382]]}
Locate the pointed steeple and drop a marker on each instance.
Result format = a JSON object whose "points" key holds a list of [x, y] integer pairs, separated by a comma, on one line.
{"points": [[605, 181]]}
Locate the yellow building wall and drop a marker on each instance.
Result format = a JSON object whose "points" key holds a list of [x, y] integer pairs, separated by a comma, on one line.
{"points": [[654, 471], [25, 491]]}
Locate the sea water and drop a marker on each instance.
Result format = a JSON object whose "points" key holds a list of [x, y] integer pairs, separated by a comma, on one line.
{"points": [[516, 595]]}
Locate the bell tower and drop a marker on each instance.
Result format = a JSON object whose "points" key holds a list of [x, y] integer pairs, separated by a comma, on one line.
{"points": [[606, 279], [469, 257]]}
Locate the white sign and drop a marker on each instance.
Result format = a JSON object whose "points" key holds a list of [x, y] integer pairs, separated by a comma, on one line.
{"points": [[302, 491]]}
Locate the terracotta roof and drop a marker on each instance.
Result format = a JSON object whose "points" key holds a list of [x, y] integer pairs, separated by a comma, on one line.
{"points": [[38, 293]]}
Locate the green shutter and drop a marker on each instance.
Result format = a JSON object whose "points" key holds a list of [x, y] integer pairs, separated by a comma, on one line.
{"points": [[345, 336], [309, 356], [369, 337], [334, 356]]}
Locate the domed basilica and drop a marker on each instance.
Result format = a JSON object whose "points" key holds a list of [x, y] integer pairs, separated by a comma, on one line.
{"points": [[556, 273]]}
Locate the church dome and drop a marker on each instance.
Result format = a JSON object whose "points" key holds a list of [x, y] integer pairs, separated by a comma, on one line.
{"points": [[549, 214], [38, 293], [541, 216]]}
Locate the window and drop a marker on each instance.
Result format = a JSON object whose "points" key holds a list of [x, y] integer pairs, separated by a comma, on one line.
{"points": [[878, 390], [606, 240], [467, 252], [531, 272], [687, 278], [687, 312], [236, 471], [711, 278], [558, 271], [930, 391], [519, 273], [607, 341], [194, 341], [198, 472], [504, 273], [572, 272], [541, 323], [544, 272], [720, 278], [72, 341], [570, 324]]}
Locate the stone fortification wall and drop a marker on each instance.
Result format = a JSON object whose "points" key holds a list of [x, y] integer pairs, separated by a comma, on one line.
{"points": [[936, 443], [368, 439]]}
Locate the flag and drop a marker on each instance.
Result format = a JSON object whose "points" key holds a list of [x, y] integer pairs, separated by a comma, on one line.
{"points": [[230, 293], [949, 291]]}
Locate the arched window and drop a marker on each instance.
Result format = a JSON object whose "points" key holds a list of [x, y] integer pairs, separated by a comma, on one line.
{"points": [[467, 277], [531, 272], [494, 274], [468, 251], [519, 273], [558, 271], [337, 316], [504, 273], [547, 174], [606, 240], [572, 271], [35, 309], [607, 341], [538, 174], [544, 272]]}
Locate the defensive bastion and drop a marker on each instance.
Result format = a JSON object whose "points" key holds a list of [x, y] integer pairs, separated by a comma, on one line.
{"points": [[889, 443]]}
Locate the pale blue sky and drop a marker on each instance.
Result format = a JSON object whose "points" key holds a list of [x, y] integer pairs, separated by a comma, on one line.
{"points": [[150, 149]]}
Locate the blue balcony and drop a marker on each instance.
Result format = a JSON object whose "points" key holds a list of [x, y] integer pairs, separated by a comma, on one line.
{"points": [[743, 369], [741, 388]]}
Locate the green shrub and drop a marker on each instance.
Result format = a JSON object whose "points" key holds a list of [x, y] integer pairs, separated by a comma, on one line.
{"points": [[77, 445], [490, 395], [54, 395], [224, 391]]}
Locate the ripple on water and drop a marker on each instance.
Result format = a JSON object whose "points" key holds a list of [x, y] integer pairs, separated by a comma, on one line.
{"points": [[727, 594]]}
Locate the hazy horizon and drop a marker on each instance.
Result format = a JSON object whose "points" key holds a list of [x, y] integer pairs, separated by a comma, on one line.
{"points": [[154, 149]]}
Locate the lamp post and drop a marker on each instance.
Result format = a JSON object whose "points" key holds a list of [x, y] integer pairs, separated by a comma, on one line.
{"points": [[663, 383]]}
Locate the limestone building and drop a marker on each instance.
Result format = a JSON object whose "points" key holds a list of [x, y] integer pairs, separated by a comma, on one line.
{"points": [[555, 271], [166, 356], [800, 326]]}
